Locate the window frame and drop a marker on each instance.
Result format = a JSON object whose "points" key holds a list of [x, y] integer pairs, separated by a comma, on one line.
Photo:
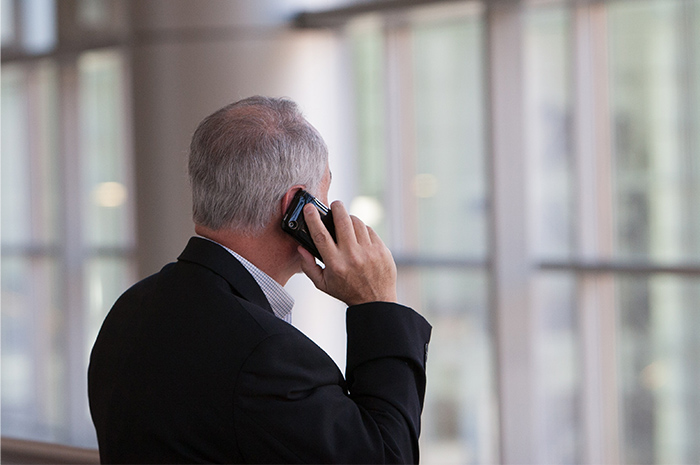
{"points": [[511, 266], [70, 250]]}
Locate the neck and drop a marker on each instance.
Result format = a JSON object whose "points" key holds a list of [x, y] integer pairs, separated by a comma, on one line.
{"points": [[272, 251]]}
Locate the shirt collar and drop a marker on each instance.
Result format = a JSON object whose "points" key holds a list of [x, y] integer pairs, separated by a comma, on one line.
{"points": [[280, 300]]}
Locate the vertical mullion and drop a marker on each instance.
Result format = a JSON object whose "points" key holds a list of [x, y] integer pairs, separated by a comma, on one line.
{"points": [[398, 97], [606, 306], [41, 344], [400, 161], [510, 265], [595, 293], [585, 228], [128, 154], [689, 99]]}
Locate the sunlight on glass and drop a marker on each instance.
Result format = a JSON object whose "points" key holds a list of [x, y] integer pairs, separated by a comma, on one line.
{"points": [[104, 151], [368, 209], [425, 185], [109, 194]]}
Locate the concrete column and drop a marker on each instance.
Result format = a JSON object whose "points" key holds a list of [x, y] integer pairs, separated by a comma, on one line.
{"points": [[191, 58]]}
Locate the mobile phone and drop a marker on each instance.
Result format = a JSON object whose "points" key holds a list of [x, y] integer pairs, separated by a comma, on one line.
{"points": [[293, 222]]}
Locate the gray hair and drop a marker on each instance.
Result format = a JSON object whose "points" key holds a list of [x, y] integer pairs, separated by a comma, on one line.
{"points": [[245, 156]]}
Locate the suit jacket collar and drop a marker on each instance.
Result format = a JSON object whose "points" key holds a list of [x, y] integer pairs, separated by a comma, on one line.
{"points": [[214, 257]]}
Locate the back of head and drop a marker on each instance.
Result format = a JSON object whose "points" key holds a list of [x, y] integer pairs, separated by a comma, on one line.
{"points": [[245, 156]]}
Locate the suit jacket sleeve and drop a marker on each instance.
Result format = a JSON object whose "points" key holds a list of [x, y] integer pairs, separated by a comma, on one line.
{"points": [[294, 406]]}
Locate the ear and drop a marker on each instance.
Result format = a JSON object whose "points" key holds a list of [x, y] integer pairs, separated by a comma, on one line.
{"points": [[288, 196]]}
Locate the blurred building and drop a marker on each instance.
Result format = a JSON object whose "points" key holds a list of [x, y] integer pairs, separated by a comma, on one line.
{"points": [[534, 167]]}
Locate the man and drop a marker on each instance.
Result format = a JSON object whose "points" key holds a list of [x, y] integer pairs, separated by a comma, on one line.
{"points": [[198, 363]]}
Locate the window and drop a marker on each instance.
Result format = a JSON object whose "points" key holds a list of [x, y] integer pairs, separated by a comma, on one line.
{"points": [[608, 94], [655, 87], [67, 222], [624, 209], [422, 185]]}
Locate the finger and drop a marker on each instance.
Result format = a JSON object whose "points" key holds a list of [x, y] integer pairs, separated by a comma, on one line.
{"points": [[361, 231], [319, 234], [344, 228], [310, 268], [373, 236]]}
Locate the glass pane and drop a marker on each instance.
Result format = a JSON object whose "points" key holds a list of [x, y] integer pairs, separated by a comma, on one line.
{"points": [[548, 116], [33, 351], [30, 184], [105, 17], [106, 279], [7, 24], [659, 369], [16, 225], [558, 373], [38, 25], [446, 204], [460, 413], [655, 115], [103, 146], [368, 59], [46, 166]]}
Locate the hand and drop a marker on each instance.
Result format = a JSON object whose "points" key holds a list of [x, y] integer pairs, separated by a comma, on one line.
{"points": [[359, 268]]}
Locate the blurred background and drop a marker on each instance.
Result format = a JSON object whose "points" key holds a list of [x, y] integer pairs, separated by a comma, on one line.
{"points": [[534, 167]]}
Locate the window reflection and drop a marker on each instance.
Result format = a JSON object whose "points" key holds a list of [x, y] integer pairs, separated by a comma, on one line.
{"points": [[421, 170], [655, 146], [7, 26], [459, 415], [448, 184], [29, 156], [106, 278], [105, 185], [656, 174], [548, 89], [15, 157], [548, 121], [640, 55], [368, 66], [33, 350], [33, 331], [62, 265], [658, 368], [559, 374]]}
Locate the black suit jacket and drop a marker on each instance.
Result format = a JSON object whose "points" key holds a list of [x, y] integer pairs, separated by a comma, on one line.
{"points": [[191, 366]]}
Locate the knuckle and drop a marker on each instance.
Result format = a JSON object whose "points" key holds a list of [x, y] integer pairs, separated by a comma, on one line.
{"points": [[319, 238], [355, 258], [341, 270]]}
